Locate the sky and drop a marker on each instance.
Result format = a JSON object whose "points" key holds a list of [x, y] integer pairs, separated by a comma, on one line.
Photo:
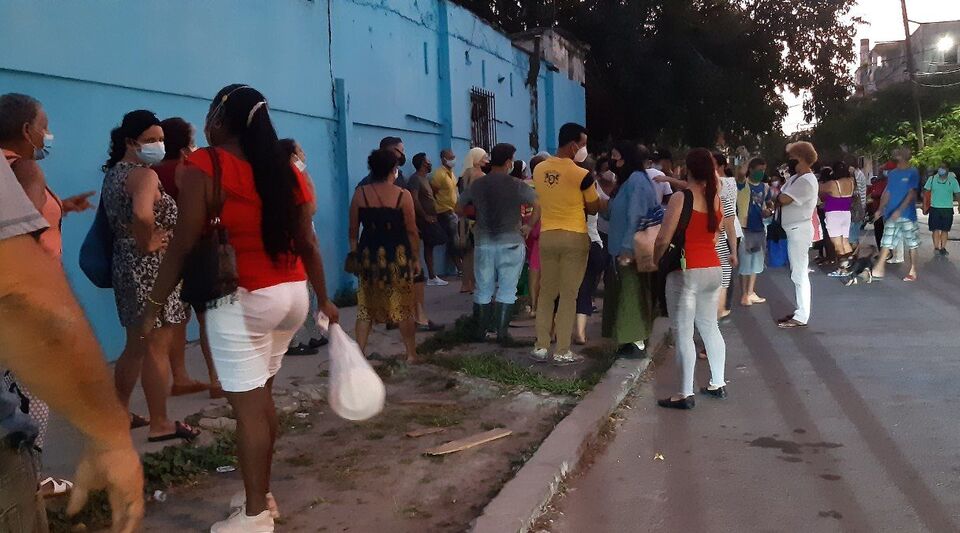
{"points": [[884, 23]]}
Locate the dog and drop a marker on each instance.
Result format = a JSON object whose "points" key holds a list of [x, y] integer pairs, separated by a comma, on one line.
{"points": [[860, 267]]}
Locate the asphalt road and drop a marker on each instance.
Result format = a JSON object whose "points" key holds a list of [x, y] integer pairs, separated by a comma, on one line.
{"points": [[848, 425]]}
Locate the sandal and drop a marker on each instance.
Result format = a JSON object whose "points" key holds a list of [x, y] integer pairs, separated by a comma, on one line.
{"points": [[318, 343], [53, 487], [791, 324], [183, 431], [910, 277], [137, 421]]}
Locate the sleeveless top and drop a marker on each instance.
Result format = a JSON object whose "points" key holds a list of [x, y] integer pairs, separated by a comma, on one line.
{"points": [[700, 245], [383, 249], [837, 203], [51, 239]]}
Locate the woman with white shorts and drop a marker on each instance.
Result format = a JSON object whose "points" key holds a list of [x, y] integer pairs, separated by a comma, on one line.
{"points": [[837, 193], [267, 211]]}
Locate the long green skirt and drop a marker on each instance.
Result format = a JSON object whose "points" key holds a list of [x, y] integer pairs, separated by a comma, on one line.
{"points": [[628, 310]]}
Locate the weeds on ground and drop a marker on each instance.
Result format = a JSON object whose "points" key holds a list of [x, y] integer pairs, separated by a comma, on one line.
{"points": [[464, 331], [500, 370], [95, 516], [179, 465]]}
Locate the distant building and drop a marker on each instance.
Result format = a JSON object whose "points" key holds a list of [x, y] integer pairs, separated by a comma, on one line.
{"points": [[339, 76], [935, 51]]}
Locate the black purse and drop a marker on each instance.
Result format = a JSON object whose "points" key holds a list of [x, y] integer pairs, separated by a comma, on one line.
{"points": [[672, 259], [775, 231], [210, 270]]}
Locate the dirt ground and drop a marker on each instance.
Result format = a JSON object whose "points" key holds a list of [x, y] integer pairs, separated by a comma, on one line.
{"points": [[334, 475]]}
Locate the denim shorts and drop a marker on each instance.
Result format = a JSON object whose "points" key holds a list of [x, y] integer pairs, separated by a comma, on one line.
{"points": [[21, 510]]}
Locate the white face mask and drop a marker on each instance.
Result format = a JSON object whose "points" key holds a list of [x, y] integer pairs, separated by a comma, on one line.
{"points": [[449, 163], [301, 166], [581, 155], [152, 153]]}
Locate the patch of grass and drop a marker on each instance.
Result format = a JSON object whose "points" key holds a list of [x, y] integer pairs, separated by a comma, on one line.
{"points": [[179, 465], [299, 460], [464, 331], [488, 426], [500, 370], [437, 416], [95, 516]]}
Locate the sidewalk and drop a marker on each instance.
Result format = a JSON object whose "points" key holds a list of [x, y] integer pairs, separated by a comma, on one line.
{"points": [[63, 445]]}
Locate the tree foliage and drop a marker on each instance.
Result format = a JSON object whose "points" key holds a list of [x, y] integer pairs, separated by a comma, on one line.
{"points": [[941, 140], [681, 71]]}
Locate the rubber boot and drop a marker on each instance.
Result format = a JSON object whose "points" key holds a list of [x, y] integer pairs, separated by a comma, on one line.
{"points": [[504, 315], [482, 319]]}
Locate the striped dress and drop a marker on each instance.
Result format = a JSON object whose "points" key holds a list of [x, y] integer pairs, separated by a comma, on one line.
{"points": [[728, 203]]}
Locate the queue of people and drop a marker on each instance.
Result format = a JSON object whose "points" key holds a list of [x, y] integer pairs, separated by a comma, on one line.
{"points": [[663, 238]]}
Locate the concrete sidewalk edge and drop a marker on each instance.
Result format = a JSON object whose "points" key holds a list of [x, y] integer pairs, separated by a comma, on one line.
{"points": [[521, 501]]}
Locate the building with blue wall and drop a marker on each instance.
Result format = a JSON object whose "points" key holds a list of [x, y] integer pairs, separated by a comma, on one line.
{"points": [[339, 76]]}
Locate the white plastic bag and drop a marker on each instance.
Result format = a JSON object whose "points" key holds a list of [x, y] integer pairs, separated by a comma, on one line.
{"points": [[356, 391]]}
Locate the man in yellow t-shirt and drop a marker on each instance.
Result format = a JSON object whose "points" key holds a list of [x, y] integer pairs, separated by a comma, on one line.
{"points": [[567, 194], [444, 185]]}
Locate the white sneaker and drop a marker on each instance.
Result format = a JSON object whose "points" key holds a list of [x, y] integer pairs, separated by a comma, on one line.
{"points": [[239, 522], [640, 345], [567, 358], [436, 282], [239, 501], [540, 355]]}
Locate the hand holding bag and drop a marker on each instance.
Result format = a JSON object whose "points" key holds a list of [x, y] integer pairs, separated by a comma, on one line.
{"points": [[645, 238], [210, 270], [96, 252], [356, 391], [673, 259]]}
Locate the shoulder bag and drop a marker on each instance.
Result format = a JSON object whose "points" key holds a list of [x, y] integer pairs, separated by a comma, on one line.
{"points": [[96, 252], [210, 270], [673, 259], [645, 238]]}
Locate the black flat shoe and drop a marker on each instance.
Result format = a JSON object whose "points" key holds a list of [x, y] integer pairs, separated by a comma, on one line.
{"points": [[720, 393], [301, 349], [318, 343], [686, 403]]}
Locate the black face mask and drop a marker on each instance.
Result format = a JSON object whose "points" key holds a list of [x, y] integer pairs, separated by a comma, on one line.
{"points": [[428, 168], [403, 160], [792, 166]]}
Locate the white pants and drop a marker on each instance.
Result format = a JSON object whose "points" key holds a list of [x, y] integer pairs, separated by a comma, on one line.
{"points": [[799, 240], [692, 298], [249, 336]]}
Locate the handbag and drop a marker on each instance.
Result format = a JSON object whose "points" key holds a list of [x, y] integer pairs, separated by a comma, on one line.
{"points": [[210, 270], [96, 252], [927, 200], [645, 238], [673, 258], [775, 231]]}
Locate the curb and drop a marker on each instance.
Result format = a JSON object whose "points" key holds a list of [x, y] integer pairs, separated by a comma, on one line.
{"points": [[521, 501]]}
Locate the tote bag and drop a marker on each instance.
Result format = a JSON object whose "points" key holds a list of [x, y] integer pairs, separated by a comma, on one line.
{"points": [[96, 252]]}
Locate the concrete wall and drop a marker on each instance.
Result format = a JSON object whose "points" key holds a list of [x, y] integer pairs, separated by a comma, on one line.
{"points": [[336, 83]]}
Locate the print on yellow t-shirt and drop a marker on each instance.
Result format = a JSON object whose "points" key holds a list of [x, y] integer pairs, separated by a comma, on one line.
{"points": [[559, 185]]}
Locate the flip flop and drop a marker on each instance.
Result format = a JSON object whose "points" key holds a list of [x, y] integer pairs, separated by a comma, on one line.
{"points": [[183, 431], [53, 487], [910, 277], [301, 349], [318, 343], [791, 324], [137, 421]]}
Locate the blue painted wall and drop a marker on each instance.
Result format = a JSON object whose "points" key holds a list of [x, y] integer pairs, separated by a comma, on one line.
{"points": [[339, 75]]}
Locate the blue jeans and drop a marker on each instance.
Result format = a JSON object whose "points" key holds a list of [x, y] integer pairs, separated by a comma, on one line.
{"points": [[498, 267]]}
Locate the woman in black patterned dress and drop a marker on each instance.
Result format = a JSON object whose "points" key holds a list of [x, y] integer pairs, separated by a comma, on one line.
{"points": [[142, 216]]}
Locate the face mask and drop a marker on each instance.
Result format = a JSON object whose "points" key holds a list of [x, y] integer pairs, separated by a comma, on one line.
{"points": [[44, 149], [757, 175], [775, 183], [449, 162], [658, 166], [301, 166], [403, 160], [151, 153], [942, 172], [581, 155], [792, 166]]}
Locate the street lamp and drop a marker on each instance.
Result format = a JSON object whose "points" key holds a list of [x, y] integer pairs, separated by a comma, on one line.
{"points": [[945, 44]]}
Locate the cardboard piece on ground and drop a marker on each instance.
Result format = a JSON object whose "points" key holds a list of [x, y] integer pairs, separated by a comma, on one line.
{"points": [[424, 431], [427, 401], [469, 442]]}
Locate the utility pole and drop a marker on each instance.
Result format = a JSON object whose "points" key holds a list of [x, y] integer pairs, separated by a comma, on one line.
{"points": [[912, 72]]}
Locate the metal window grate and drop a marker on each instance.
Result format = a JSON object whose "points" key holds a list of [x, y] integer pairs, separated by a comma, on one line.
{"points": [[483, 119]]}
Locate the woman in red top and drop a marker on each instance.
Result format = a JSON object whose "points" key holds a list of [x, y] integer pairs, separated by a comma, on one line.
{"points": [[267, 211], [694, 291]]}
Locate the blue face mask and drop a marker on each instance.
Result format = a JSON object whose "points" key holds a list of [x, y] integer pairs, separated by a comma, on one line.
{"points": [[942, 172], [152, 153], [44, 150]]}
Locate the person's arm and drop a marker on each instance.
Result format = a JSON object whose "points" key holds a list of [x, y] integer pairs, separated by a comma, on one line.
{"points": [[353, 234], [77, 203], [636, 209], [414, 187], [410, 221], [884, 199], [909, 202], [730, 229], [671, 219], [463, 200], [591, 200], [144, 186], [31, 178], [307, 247], [529, 197], [39, 315], [195, 188]]}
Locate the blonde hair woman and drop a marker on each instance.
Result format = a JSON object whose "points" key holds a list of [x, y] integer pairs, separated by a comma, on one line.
{"points": [[473, 165]]}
